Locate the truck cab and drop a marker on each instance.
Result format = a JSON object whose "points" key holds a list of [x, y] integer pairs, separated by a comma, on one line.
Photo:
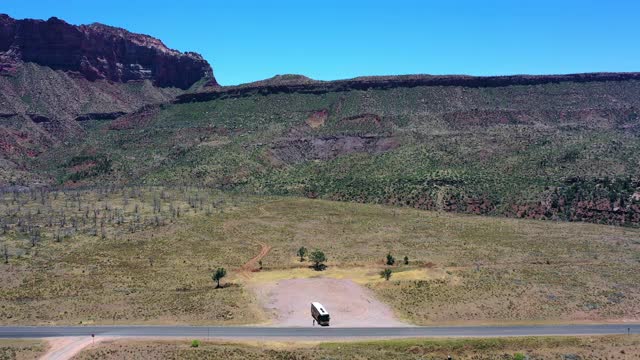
{"points": [[320, 314]]}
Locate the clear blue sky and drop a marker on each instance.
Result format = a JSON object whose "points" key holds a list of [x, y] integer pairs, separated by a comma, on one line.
{"points": [[248, 40]]}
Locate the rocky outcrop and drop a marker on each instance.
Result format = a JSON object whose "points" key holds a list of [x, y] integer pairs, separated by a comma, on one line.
{"points": [[98, 51], [54, 75], [100, 116], [602, 200], [291, 151]]}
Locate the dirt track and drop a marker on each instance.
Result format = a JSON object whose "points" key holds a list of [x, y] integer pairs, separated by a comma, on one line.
{"points": [[349, 304], [64, 348], [252, 264]]}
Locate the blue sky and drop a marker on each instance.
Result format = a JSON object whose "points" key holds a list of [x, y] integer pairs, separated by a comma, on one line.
{"points": [[248, 40]]}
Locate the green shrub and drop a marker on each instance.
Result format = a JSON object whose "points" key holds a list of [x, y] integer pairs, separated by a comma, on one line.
{"points": [[390, 259], [318, 258], [386, 274], [218, 275], [195, 343]]}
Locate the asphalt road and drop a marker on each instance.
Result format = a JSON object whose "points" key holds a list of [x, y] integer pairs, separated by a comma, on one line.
{"points": [[248, 332]]}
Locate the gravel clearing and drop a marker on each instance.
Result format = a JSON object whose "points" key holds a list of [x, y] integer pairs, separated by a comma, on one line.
{"points": [[349, 304]]}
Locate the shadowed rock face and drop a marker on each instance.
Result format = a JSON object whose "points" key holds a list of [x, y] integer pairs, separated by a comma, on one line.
{"points": [[98, 52], [54, 75], [303, 85]]}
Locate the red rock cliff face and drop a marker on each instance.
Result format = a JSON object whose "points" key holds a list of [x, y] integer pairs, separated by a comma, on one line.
{"points": [[98, 52]]}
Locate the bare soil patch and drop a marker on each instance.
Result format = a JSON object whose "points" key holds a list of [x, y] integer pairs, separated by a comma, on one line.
{"points": [[64, 348], [349, 304], [253, 263], [317, 118]]}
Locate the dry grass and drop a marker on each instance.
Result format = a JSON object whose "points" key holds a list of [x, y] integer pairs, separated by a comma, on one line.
{"points": [[362, 275], [462, 268], [15, 349], [154, 274], [474, 269], [606, 347]]}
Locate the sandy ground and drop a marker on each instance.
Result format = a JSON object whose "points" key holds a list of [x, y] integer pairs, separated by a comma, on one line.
{"points": [[64, 348], [349, 304]]}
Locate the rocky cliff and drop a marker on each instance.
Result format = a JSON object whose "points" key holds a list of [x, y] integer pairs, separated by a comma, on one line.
{"points": [[54, 76], [98, 51]]}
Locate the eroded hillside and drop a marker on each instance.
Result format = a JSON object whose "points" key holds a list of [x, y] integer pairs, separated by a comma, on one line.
{"points": [[559, 148]]}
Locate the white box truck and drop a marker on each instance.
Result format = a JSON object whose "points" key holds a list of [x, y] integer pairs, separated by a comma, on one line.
{"points": [[320, 314]]}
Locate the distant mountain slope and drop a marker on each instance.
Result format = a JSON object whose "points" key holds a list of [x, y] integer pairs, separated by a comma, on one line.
{"points": [[91, 105], [54, 75], [561, 147]]}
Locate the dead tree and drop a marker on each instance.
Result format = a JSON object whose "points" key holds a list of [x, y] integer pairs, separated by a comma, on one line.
{"points": [[157, 205], [103, 233], [35, 237]]}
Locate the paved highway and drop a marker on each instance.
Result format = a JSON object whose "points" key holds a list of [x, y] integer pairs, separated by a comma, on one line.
{"points": [[248, 332]]}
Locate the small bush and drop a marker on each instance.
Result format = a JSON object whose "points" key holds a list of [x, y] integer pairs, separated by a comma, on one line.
{"points": [[519, 356], [318, 258], [195, 343], [219, 274], [390, 259], [386, 274], [302, 252]]}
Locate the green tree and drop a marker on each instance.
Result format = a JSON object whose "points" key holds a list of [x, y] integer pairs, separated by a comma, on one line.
{"points": [[302, 252], [406, 260], [390, 259], [218, 275], [386, 274], [318, 258]]}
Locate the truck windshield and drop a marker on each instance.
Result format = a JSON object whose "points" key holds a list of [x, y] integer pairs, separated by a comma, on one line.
{"points": [[323, 318]]}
